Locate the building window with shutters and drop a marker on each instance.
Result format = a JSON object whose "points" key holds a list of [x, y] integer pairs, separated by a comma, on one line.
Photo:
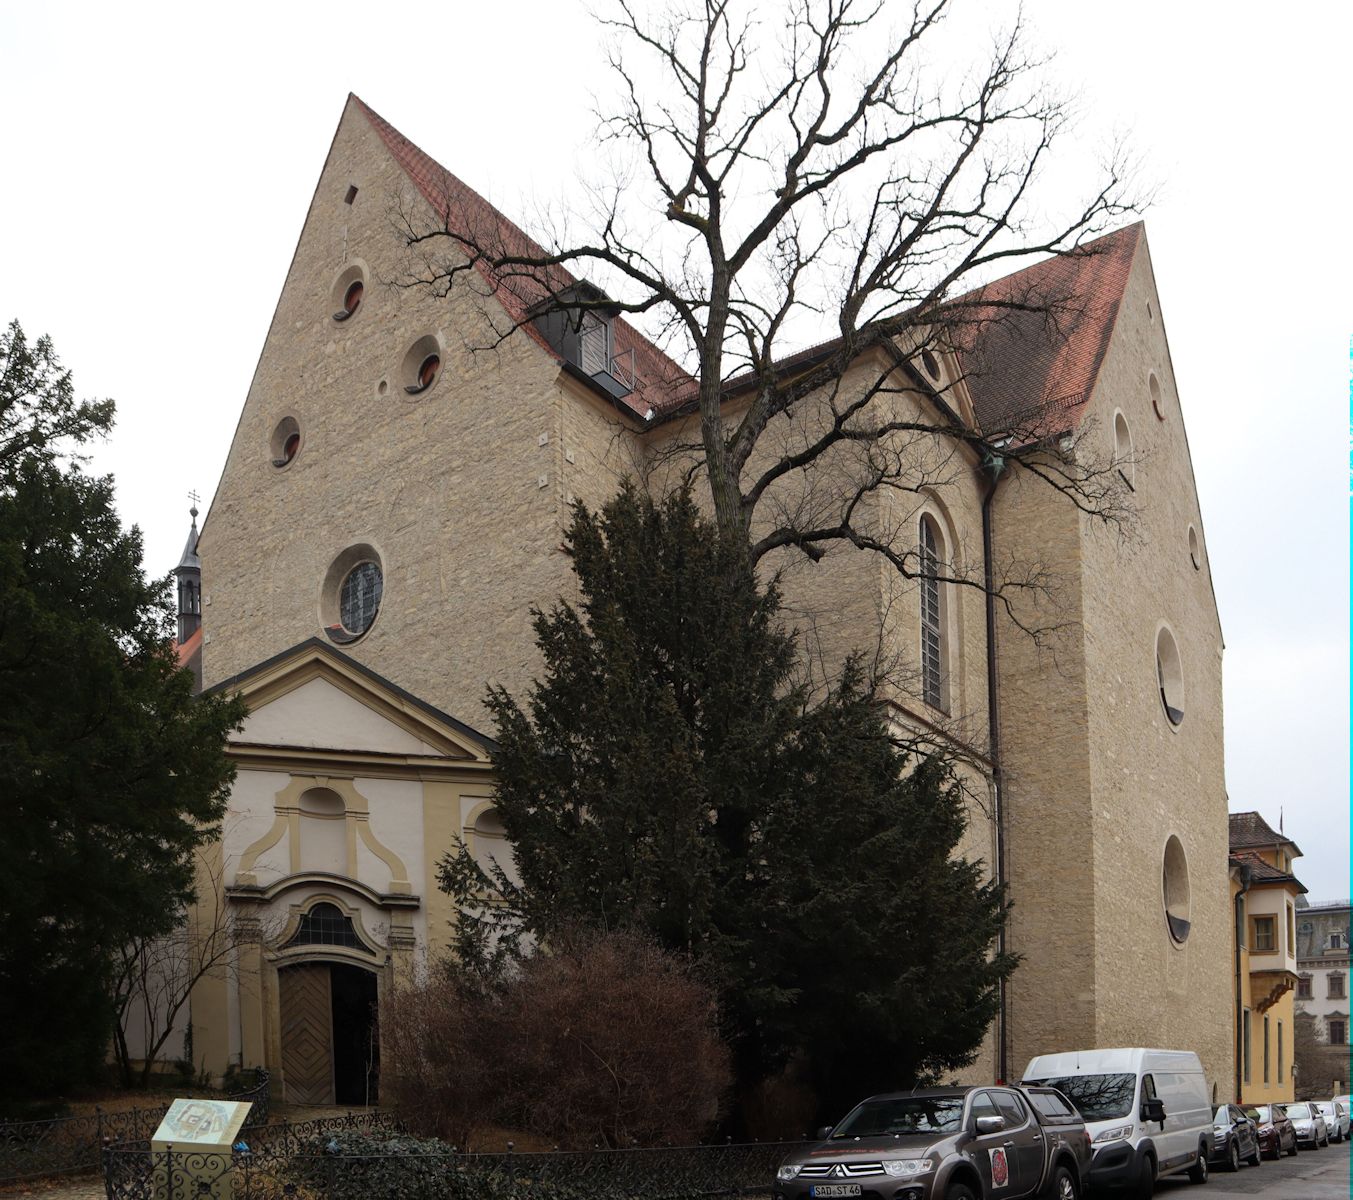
{"points": [[1335, 988], [934, 647], [1303, 987], [1338, 1030], [1265, 940]]}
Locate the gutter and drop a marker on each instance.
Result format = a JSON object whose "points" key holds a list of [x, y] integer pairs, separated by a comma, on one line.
{"points": [[993, 467]]}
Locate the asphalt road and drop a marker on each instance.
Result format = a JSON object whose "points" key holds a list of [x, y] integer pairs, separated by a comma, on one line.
{"points": [[1312, 1175]]}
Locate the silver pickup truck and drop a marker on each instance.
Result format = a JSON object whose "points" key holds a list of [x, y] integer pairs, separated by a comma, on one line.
{"points": [[970, 1143]]}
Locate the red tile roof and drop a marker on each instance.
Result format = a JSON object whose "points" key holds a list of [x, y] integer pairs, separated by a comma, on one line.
{"points": [[1028, 369], [1249, 829], [1034, 371], [466, 211], [1261, 871], [185, 650]]}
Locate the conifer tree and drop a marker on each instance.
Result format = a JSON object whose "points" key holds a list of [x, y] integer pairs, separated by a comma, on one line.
{"points": [[111, 770], [668, 772]]}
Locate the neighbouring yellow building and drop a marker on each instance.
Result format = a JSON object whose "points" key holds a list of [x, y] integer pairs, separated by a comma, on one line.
{"points": [[394, 501], [1264, 944]]}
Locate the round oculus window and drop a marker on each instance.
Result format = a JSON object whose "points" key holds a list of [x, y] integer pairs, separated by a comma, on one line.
{"points": [[352, 298], [427, 372], [285, 442], [359, 598], [931, 364], [348, 291], [1170, 678], [1176, 892]]}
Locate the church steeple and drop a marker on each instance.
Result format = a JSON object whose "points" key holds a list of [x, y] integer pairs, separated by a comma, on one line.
{"points": [[188, 574]]}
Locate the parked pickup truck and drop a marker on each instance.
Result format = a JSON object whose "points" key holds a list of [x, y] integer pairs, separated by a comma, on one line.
{"points": [[970, 1143]]}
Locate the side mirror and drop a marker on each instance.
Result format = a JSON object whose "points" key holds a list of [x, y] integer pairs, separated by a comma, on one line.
{"points": [[990, 1124], [1153, 1110], [824, 1133]]}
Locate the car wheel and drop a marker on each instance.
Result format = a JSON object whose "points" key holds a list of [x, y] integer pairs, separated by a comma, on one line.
{"points": [[1256, 1158], [1146, 1180], [1198, 1172], [1233, 1157], [1064, 1185], [960, 1191], [1292, 1153], [1277, 1151]]}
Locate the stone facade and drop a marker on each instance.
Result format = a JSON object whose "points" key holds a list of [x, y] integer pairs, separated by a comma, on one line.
{"points": [[462, 491], [1323, 965]]}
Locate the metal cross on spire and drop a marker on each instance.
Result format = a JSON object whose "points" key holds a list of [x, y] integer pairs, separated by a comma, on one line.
{"points": [[193, 498]]}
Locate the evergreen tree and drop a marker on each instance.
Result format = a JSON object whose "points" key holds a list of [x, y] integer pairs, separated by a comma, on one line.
{"points": [[669, 773], [111, 771]]}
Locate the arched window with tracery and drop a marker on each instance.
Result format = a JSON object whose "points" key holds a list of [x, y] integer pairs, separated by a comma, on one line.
{"points": [[933, 647]]}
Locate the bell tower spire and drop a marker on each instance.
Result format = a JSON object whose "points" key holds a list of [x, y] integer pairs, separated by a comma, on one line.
{"points": [[188, 575]]}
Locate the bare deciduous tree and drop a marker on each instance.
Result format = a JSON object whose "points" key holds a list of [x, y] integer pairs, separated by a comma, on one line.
{"points": [[799, 174], [155, 976]]}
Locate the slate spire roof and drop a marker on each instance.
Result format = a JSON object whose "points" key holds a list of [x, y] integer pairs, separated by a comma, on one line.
{"points": [[188, 560]]}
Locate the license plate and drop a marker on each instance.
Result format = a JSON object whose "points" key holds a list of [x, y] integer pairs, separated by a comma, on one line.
{"points": [[834, 1189]]}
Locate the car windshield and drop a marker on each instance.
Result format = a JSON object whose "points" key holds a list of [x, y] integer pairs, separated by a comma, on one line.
{"points": [[1298, 1110], [1257, 1114], [1099, 1097], [1325, 1107], [909, 1114]]}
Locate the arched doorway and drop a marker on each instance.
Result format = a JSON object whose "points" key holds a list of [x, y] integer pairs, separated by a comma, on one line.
{"points": [[330, 1041]]}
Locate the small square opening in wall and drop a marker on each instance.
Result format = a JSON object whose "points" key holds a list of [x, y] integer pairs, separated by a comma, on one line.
{"points": [[352, 194]]}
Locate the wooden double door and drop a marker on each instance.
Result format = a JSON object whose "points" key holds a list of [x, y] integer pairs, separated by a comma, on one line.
{"points": [[330, 1042]]}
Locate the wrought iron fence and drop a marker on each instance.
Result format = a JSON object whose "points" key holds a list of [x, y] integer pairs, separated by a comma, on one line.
{"points": [[67, 1145], [293, 1163]]}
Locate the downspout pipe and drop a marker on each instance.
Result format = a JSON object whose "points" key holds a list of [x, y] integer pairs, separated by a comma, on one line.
{"points": [[992, 469], [1245, 875]]}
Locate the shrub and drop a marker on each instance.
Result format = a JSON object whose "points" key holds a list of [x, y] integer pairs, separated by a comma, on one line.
{"points": [[602, 1038]]}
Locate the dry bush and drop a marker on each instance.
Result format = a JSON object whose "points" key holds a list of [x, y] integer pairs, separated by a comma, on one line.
{"points": [[602, 1038]]}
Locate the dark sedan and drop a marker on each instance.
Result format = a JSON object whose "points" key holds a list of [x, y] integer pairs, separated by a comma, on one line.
{"points": [[1276, 1134], [1234, 1137]]}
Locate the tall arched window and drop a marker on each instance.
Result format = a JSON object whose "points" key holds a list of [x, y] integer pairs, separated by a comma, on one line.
{"points": [[933, 648]]}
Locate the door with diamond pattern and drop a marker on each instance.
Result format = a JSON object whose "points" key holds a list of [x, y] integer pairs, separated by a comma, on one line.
{"points": [[306, 1004]]}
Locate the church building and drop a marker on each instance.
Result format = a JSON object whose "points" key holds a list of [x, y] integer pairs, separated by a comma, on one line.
{"points": [[394, 502]]}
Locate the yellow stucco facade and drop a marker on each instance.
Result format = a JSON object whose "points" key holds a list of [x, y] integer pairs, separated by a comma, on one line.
{"points": [[1264, 895]]}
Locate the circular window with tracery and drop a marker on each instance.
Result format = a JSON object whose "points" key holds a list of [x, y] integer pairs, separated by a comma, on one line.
{"points": [[351, 595], [360, 598]]}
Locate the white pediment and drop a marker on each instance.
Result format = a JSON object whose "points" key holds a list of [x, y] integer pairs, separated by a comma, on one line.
{"points": [[320, 715]]}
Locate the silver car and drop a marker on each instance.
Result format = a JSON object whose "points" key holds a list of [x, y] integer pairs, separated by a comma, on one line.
{"points": [[1336, 1118], [1309, 1124]]}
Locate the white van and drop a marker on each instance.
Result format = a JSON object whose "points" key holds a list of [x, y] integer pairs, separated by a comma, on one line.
{"points": [[1148, 1112]]}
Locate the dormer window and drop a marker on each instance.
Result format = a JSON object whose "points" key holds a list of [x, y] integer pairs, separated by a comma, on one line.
{"points": [[594, 344], [579, 324]]}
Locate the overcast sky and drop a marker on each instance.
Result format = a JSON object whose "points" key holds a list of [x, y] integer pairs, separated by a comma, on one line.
{"points": [[159, 160]]}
